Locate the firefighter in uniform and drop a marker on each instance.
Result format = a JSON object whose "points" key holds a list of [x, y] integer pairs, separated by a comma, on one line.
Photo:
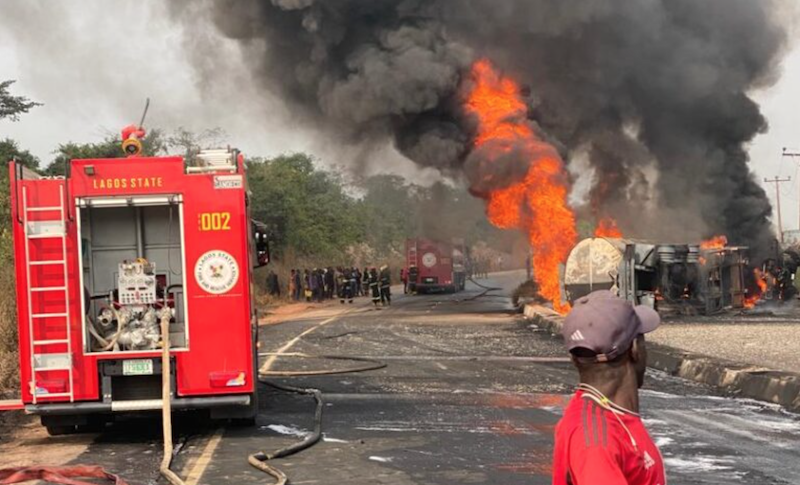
{"points": [[386, 283], [351, 284], [374, 286], [345, 289]]}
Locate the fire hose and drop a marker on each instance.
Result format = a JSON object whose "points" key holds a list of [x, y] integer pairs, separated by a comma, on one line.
{"points": [[67, 474], [166, 398], [106, 344], [259, 460], [372, 364], [487, 288]]}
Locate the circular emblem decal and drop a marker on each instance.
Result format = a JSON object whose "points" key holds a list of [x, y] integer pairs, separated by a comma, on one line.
{"points": [[429, 260], [216, 272]]}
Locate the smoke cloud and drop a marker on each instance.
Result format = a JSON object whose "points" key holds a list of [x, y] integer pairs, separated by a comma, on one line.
{"points": [[649, 87]]}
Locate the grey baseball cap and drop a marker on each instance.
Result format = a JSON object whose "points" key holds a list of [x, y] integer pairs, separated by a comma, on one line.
{"points": [[606, 324]]}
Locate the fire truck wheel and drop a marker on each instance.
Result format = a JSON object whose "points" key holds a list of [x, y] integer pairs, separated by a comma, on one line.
{"points": [[96, 423], [243, 422], [68, 424]]}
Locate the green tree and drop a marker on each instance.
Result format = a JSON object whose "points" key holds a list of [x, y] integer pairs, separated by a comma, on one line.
{"points": [[390, 206], [10, 150], [309, 208], [12, 106]]}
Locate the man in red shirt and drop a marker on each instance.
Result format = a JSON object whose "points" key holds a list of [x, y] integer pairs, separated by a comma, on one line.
{"points": [[601, 439]]}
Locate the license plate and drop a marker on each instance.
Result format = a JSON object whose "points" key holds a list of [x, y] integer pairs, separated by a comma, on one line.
{"points": [[141, 367]]}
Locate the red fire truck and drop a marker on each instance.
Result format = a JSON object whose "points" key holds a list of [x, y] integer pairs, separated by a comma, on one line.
{"points": [[435, 266], [106, 252]]}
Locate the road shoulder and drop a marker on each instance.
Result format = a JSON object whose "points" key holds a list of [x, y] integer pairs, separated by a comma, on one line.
{"points": [[24, 442], [740, 379]]}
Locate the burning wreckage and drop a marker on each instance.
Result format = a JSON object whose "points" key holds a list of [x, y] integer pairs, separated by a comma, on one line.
{"points": [[690, 279], [441, 83]]}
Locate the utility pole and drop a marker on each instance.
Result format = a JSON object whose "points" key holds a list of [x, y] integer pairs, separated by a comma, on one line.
{"points": [[792, 154], [777, 181]]}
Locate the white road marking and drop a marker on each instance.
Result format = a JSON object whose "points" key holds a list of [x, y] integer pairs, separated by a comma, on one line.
{"points": [[275, 355]]}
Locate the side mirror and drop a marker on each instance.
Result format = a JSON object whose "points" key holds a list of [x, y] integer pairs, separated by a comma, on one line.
{"points": [[262, 249]]}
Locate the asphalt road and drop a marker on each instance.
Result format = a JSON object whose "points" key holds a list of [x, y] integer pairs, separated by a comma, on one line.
{"points": [[470, 395]]}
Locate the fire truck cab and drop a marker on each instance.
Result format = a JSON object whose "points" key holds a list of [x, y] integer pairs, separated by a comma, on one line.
{"points": [[109, 250]]}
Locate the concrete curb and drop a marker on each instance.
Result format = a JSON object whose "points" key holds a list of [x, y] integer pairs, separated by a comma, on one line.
{"points": [[735, 378]]}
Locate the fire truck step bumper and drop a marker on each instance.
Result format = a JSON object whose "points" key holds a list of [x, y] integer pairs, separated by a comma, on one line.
{"points": [[133, 406]]}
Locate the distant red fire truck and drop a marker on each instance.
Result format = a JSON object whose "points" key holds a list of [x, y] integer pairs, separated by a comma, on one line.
{"points": [[107, 252], [435, 266]]}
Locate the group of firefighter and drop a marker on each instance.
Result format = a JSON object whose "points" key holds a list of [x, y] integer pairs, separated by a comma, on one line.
{"points": [[344, 283]]}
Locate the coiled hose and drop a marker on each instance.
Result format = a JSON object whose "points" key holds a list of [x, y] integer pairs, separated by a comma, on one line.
{"points": [[68, 475], [259, 460]]}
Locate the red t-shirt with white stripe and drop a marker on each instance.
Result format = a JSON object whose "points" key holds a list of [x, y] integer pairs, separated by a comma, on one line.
{"points": [[594, 448]]}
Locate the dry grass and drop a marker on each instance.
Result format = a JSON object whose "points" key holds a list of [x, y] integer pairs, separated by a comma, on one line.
{"points": [[9, 364]]}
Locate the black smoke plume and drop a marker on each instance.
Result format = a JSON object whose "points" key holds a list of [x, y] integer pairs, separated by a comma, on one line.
{"points": [[655, 92]]}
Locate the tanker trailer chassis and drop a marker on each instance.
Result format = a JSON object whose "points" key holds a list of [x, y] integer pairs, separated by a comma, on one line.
{"points": [[671, 278]]}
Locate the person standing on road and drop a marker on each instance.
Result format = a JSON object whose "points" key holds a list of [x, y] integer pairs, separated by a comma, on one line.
{"points": [[298, 285], [320, 293], [356, 274], [309, 282], [273, 284], [374, 286], [386, 283], [330, 282], [365, 282], [292, 289], [601, 438], [404, 279], [343, 284]]}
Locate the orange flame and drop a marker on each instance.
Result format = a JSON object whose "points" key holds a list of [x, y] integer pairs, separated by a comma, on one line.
{"points": [[537, 204], [750, 301], [716, 242], [607, 227]]}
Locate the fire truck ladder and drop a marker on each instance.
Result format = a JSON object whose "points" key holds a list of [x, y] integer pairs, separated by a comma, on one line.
{"points": [[412, 254], [48, 229]]}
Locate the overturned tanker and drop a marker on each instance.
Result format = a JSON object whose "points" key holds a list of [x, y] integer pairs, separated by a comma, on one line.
{"points": [[672, 278]]}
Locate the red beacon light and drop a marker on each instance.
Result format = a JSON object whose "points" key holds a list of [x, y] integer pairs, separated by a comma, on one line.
{"points": [[131, 139]]}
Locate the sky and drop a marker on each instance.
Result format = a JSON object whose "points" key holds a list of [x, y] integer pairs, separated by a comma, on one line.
{"points": [[94, 67]]}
